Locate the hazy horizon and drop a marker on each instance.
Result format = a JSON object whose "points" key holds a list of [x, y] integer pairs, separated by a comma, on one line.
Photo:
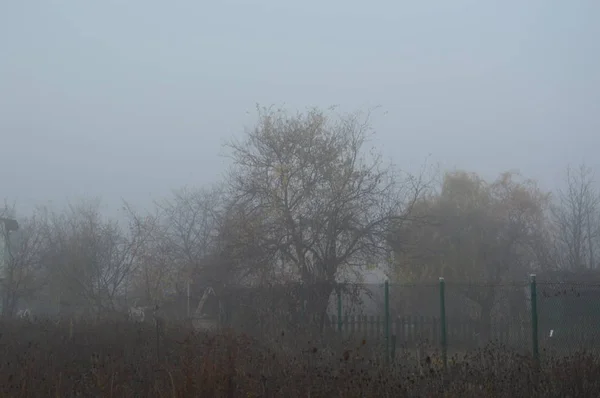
{"points": [[133, 99]]}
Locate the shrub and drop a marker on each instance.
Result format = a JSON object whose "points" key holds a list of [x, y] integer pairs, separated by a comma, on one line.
{"points": [[118, 359]]}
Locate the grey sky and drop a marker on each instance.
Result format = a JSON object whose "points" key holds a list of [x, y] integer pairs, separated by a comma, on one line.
{"points": [[133, 98]]}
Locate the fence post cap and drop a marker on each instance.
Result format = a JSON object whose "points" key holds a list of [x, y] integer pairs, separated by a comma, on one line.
{"points": [[532, 277], [441, 279]]}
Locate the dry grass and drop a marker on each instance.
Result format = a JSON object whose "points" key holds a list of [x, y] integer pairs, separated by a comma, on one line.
{"points": [[115, 359]]}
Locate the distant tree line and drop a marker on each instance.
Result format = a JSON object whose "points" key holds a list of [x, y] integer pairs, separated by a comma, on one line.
{"points": [[307, 199]]}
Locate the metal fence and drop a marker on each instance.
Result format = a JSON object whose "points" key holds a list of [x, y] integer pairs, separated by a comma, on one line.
{"points": [[528, 317], [568, 316]]}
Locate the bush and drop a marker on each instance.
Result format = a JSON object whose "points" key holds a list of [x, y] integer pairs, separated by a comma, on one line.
{"points": [[117, 359]]}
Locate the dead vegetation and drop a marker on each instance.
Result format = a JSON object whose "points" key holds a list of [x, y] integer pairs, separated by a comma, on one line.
{"points": [[116, 359]]}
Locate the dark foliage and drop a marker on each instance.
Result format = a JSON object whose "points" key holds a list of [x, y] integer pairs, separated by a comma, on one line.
{"points": [[126, 360]]}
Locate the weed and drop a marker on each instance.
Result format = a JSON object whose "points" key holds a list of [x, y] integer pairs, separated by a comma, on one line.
{"points": [[116, 359]]}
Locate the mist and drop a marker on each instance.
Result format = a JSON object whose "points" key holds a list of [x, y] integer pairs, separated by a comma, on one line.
{"points": [[129, 100], [307, 176]]}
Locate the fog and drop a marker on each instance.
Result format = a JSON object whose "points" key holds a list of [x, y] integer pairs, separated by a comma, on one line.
{"points": [[129, 100], [192, 202]]}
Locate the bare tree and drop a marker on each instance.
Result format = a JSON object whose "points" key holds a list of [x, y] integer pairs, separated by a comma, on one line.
{"points": [[154, 273], [192, 220], [90, 258], [576, 217], [183, 245], [319, 199], [23, 273]]}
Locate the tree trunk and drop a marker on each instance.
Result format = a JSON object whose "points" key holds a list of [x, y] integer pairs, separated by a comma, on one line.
{"points": [[317, 300], [9, 302], [485, 322]]}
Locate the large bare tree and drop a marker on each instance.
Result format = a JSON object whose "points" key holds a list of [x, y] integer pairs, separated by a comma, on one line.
{"points": [[320, 198]]}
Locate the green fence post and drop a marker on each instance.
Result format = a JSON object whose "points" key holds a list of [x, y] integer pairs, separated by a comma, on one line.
{"points": [[534, 318], [339, 309], [387, 320], [444, 336]]}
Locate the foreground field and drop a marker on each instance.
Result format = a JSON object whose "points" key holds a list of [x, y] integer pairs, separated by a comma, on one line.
{"points": [[126, 360]]}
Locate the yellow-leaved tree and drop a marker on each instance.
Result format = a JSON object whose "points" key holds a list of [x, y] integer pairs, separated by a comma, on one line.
{"points": [[479, 235]]}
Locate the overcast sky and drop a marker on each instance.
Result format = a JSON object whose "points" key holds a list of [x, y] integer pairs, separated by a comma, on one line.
{"points": [[130, 99]]}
